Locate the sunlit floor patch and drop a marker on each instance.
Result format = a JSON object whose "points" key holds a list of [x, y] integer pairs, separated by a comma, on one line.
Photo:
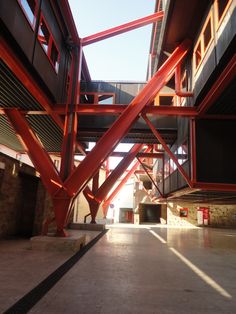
{"points": [[202, 275], [157, 236], [195, 269]]}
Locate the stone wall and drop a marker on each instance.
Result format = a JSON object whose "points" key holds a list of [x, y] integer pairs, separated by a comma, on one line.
{"points": [[220, 215], [12, 196]]}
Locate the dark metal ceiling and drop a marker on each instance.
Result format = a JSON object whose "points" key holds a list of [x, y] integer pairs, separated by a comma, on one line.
{"points": [[205, 197]]}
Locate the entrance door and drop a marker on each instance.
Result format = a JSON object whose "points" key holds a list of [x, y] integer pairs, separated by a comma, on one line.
{"points": [[150, 213], [27, 203]]}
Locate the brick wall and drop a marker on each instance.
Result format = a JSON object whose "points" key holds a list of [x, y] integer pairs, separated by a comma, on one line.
{"points": [[220, 215]]}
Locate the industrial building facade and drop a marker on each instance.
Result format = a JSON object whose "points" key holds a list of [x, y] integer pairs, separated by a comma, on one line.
{"points": [[181, 121]]}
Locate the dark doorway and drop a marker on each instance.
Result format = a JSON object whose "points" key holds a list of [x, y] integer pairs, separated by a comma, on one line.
{"points": [[27, 203], [149, 213]]}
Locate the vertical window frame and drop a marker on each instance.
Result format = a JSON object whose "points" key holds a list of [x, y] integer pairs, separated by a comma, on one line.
{"points": [[51, 41], [200, 42], [219, 21]]}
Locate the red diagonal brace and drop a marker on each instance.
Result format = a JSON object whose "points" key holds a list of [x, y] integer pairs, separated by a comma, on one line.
{"points": [[88, 167], [150, 177], [169, 152], [37, 154], [122, 28], [117, 172]]}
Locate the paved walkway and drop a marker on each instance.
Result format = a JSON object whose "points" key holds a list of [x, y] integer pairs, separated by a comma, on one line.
{"points": [[150, 270]]}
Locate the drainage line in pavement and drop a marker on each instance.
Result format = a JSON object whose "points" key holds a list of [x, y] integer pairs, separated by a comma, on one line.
{"points": [[35, 295]]}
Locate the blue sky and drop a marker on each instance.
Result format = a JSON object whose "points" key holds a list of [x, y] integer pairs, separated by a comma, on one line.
{"points": [[122, 57]]}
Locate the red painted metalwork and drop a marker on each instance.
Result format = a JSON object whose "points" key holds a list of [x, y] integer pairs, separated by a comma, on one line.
{"points": [[178, 90], [64, 5], [150, 177], [88, 167], [169, 152], [218, 87], [224, 187], [95, 197], [37, 154], [142, 154], [89, 195], [114, 193], [70, 126], [117, 172], [122, 28], [116, 109], [193, 150], [9, 57]]}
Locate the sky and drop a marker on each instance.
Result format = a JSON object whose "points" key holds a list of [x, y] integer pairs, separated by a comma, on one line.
{"points": [[123, 57]]}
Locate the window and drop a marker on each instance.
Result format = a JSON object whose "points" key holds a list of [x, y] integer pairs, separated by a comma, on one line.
{"points": [[54, 56], [29, 8], [221, 6], [204, 41], [97, 98], [207, 35], [47, 42], [44, 35]]}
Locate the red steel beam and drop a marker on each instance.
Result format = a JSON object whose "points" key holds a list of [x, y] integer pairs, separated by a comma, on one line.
{"points": [[169, 152], [178, 90], [88, 167], [37, 154], [9, 57], [142, 154], [193, 150], [223, 187], [64, 5], [218, 87], [116, 109], [121, 28]]}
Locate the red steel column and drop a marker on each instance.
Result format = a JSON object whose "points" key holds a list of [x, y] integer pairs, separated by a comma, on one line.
{"points": [[88, 167], [70, 128], [193, 150]]}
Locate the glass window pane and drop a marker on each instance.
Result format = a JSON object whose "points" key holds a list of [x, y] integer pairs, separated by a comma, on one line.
{"points": [[54, 56], [44, 35], [207, 34], [29, 7]]}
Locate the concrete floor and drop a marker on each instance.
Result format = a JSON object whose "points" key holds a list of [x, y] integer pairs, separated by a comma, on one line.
{"points": [[150, 269]]}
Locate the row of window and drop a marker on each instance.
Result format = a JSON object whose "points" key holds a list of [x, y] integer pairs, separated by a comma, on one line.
{"points": [[219, 9], [30, 9]]}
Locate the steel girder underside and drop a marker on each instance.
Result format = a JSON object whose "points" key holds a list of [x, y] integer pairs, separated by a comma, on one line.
{"points": [[65, 186]]}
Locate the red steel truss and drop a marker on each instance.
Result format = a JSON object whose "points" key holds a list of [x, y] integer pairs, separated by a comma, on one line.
{"points": [[64, 190], [122, 28]]}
